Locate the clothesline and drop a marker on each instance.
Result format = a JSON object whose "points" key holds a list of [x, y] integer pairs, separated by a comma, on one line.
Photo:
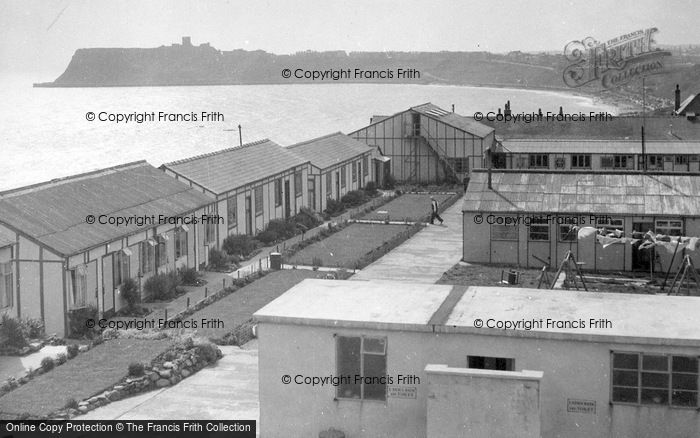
{"points": [[607, 237]]}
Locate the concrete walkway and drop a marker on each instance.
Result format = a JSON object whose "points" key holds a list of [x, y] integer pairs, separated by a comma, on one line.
{"points": [[225, 391], [424, 257]]}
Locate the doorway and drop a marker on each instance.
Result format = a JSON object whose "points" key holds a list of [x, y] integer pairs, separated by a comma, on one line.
{"points": [[248, 215], [642, 259], [287, 207], [311, 184], [337, 186]]}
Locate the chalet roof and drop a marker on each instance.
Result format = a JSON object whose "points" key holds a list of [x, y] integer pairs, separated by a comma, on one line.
{"points": [[54, 213], [580, 146], [467, 124], [620, 193], [231, 168], [331, 149]]}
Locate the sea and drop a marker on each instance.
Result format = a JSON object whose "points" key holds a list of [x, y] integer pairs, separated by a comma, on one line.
{"points": [[45, 133]]}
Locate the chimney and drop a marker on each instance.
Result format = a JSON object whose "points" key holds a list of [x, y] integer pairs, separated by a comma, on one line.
{"points": [[499, 111], [507, 111], [678, 98], [453, 107], [561, 110]]}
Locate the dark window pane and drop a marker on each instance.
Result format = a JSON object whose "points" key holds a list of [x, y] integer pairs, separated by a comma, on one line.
{"points": [[349, 365], [626, 361], [658, 363], [655, 396], [625, 378], [625, 395], [476, 362], [685, 381], [375, 377], [654, 380], [684, 398], [685, 364], [375, 345]]}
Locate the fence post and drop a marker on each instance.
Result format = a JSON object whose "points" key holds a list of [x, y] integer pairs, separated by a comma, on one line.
{"points": [[188, 302], [166, 314], [206, 291]]}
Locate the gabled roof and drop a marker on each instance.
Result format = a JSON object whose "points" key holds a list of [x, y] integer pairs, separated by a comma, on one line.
{"points": [[229, 169], [331, 149], [686, 103], [54, 213], [467, 124], [606, 193], [580, 146]]}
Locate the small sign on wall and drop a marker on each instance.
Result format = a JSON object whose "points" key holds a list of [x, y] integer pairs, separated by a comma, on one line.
{"points": [[402, 391], [580, 406]]}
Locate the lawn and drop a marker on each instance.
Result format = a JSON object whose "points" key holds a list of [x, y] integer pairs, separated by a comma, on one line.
{"points": [[346, 247], [489, 275], [411, 207], [239, 306], [84, 376]]}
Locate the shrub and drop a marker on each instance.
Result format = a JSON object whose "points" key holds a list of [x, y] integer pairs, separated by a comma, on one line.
{"points": [[72, 350], [239, 244], [308, 218], [32, 328], [11, 332], [189, 276], [136, 369], [218, 259], [208, 351], [389, 181], [77, 321], [130, 292], [71, 403], [283, 228], [97, 341], [334, 207], [162, 286], [371, 188], [61, 358], [268, 237], [48, 363], [354, 198]]}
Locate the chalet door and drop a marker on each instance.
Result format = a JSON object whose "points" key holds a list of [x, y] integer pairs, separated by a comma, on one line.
{"points": [[248, 216], [378, 173], [337, 185], [108, 283], [287, 207], [359, 175], [311, 183], [642, 259]]}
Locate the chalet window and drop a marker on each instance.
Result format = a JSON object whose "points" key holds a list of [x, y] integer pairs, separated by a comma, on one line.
{"points": [[120, 267], [147, 256], [567, 233], [354, 171], [655, 162], [539, 229], [559, 162], [669, 227], [606, 161], [521, 162], [504, 232], [581, 161], [610, 223], [181, 242], [539, 161], [655, 379], [210, 232], [298, 189], [329, 185], [232, 212], [681, 160], [258, 201], [365, 166], [365, 358], [161, 251], [343, 176], [278, 192], [491, 363], [78, 278], [6, 285]]}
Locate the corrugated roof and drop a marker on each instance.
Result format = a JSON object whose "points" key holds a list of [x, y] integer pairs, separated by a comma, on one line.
{"points": [[330, 149], [231, 168], [467, 124], [622, 193], [54, 213], [575, 146]]}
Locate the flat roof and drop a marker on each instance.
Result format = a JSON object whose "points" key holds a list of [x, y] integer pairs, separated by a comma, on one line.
{"points": [[608, 147], [611, 193], [392, 305]]}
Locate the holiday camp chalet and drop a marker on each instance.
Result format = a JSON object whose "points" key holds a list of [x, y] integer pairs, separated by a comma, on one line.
{"points": [[428, 144], [339, 164], [252, 184], [578, 365], [665, 204], [53, 260]]}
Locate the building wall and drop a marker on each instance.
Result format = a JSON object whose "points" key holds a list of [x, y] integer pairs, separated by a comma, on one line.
{"points": [[322, 188], [412, 157], [572, 370], [482, 244], [558, 161]]}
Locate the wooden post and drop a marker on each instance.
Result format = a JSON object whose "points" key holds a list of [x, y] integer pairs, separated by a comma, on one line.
{"points": [[670, 265], [206, 291], [188, 302], [166, 313], [223, 281]]}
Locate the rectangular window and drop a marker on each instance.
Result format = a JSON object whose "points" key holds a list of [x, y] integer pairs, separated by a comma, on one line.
{"points": [[606, 162], [681, 160], [6, 285], [655, 162], [79, 286], [623, 162], [365, 166], [655, 379], [669, 227], [343, 176], [581, 161], [210, 232], [298, 189], [180, 243], [539, 161], [232, 212], [610, 223], [258, 201], [120, 267], [567, 233], [539, 229], [147, 256], [504, 232], [354, 171], [329, 185], [278, 192], [491, 363], [366, 358], [161, 251]]}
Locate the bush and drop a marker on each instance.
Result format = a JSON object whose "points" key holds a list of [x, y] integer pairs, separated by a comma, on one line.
{"points": [[239, 245], [189, 276], [61, 358], [77, 319], [48, 363], [71, 403], [268, 237], [284, 229], [354, 198], [371, 188], [162, 286], [32, 328], [308, 218], [334, 207], [208, 352], [72, 350], [389, 181], [130, 292], [218, 259], [136, 369], [11, 332]]}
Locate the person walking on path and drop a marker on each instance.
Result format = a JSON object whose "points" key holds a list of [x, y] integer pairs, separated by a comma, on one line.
{"points": [[434, 211]]}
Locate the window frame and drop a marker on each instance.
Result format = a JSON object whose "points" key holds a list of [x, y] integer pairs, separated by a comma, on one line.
{"points": [[354, 171], [538, 161], [576, 158], [259, 206], [561, 234], [670, 225], [231, 212], [147, 257], [180, 239], [329, 185], [365, 165], [161, 252], [298, 184], [535, 222], [505, 237], [343, 176], [121, 268], [508, 361], [278, 192], [7, 290], [79, 287], [361, 357]]}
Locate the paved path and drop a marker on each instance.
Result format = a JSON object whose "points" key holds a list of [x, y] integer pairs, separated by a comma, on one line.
{"points": [[424, 257], [225, 391]]}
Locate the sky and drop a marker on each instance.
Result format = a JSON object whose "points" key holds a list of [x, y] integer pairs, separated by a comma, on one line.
{"points": [[38, 37]]}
